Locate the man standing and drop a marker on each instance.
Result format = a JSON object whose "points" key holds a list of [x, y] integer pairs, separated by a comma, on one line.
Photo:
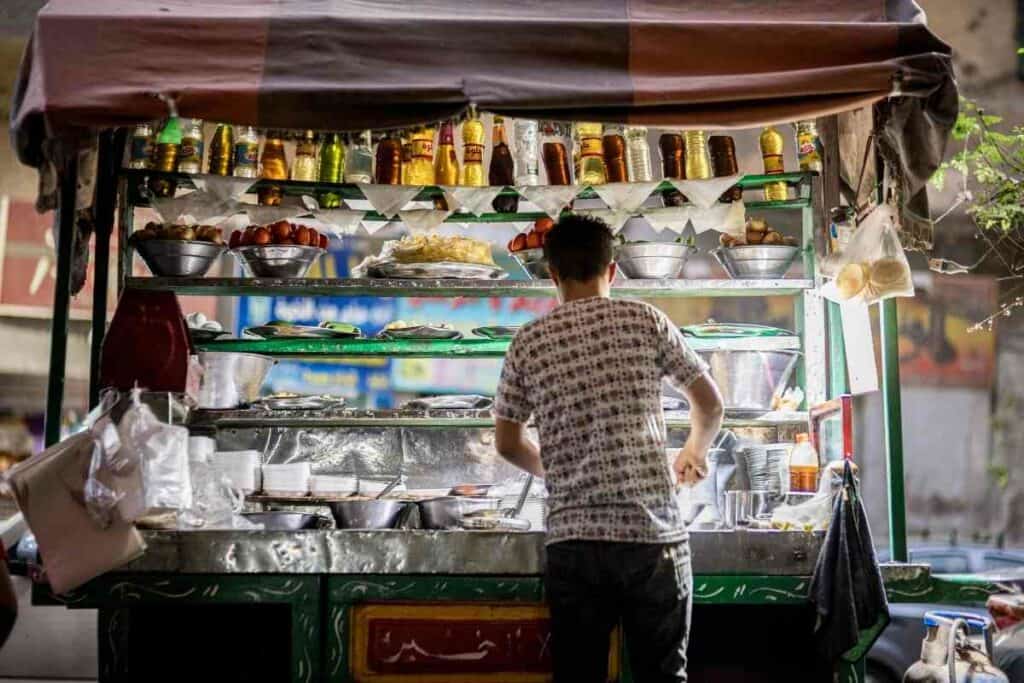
{"points": [[590, 373]]}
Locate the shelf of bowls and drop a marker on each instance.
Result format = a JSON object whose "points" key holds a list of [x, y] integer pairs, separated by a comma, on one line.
{"points": [[692, 226]]}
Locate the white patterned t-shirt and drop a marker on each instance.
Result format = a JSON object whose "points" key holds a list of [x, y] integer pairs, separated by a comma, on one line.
{"points": [[590, 373]]}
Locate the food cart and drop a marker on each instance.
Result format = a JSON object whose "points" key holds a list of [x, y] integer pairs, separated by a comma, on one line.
{"points": [[415, 604]]}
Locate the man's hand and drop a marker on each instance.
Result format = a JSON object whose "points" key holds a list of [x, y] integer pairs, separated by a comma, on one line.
{"points": [[691, 466]]}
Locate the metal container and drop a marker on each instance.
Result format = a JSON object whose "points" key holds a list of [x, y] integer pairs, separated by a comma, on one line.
{"points": [[279, 520], [231, 380], [277, 261], [749, 379], [534, 263], [744, 507], [178, 258], [367, 514], [756, 261], [447, 512], [652, 260]]}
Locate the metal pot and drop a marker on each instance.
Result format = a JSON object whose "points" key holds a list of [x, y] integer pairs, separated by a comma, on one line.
{"points": [[279, 520], [178, 258], [447, 512], [749, 379], [232, 379], [277, 261], [367, 514], [652, 260], [756, 261]]}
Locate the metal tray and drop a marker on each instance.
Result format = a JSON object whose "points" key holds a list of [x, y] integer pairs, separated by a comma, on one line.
{"points": [[497, 331], [297, 332], [301, 402], [200, 336], [441, 270], [421, 332]]}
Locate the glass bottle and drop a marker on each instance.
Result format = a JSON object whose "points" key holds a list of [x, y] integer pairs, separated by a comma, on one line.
{"points": [[698, 163], [723, 163], [808, 146], [446, 162], [503, 168], [803, 466], [140, 153], [556, 155], [406, 158], [592, 169], [329, 170], [638, 155], [771, 155], [473, 153], [190, 156], [359, 160], [222, 150], [247, 150], [613, 148], [525, 133], [390, 169], [273, 166], [673, 153], [421, 162], [165, 158], [304, 167]]}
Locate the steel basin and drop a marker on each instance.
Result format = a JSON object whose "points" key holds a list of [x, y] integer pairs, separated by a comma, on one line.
{"points": [[749, 379], [653, 260], [756, 261], [178, 258], [277, 261], [230, 379], [447, 512], [367, 514], [284, 521]]}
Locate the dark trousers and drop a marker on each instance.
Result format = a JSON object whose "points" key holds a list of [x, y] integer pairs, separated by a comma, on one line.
{"points": [[591, 586]]}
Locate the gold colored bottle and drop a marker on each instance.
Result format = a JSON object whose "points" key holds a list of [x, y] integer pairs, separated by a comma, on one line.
{"points": [[771, 155], [406, 157], [698, 162], [273, 166], [421, 158], [591, 150], [222, 150], [473, 153], [305, 165], [165, 158], [446, 162]]}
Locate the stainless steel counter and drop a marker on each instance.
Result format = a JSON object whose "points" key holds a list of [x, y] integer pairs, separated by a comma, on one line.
{"points": [[440, 552]]}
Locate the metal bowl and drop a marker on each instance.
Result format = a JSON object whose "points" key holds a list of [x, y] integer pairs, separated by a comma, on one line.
{"points": [[367, 514], [447, 512], [652, 260], [756, 261], [278, 261], [749, 379], [533, 262], [285, 521], [232, 379], [178, 258]]}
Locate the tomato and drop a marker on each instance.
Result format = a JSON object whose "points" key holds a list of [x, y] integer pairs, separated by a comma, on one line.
{"points": [[302, 236], [543, 225], [235, 240], [261, 236], [280, 230], [533, 240], [518, 243], [323, 241]]}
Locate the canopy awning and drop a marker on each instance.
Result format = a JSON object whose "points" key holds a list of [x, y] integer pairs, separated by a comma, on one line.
{"points": [[353, 64]]}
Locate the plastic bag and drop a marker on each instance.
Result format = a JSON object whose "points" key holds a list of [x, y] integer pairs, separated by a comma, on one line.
{"points": [[873, 266], [152, 464]]}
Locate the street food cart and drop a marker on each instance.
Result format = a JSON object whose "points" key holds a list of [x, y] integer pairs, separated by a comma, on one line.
{"points": [[420, 604]]}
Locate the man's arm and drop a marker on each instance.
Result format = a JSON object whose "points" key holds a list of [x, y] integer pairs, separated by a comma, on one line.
{"points": [[515, 446], [706, 411]]}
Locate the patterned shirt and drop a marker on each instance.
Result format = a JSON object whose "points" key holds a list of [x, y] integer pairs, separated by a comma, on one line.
{"points": [[590, 372]]}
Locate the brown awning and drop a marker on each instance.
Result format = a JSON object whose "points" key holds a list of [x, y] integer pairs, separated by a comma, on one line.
{"points": [[352, 64]]}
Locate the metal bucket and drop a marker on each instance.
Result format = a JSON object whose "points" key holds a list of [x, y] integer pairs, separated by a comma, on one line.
{"points": [[232, 379], [749, 379]]}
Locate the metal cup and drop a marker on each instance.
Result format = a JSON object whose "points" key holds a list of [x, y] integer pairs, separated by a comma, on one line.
{"points": [[737, 512]]}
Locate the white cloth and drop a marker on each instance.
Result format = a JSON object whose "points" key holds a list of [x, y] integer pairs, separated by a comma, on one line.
{"points": [[614, 219], [704, 193], [625, 196], [728, 218], [423, 220], [388, 200], [674, 218], [339, 221], [551, 199], [223, 186], [475, 200]]}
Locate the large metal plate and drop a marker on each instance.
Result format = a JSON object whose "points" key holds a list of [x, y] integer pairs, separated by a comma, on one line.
{"points": [[440, 270]]}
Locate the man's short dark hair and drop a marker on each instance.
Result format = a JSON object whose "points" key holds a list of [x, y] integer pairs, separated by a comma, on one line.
{"points": [[579, 248]]}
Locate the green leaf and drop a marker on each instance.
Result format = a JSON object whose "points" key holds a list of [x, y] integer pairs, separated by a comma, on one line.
{"points": [[938, 178]]}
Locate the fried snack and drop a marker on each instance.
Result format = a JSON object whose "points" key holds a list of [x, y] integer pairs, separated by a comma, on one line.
{"points": [[773, 237], [887, 275], [852, 279], [437, 248]]}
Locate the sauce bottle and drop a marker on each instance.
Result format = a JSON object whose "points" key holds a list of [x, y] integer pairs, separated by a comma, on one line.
{"points": [[803, 466]]}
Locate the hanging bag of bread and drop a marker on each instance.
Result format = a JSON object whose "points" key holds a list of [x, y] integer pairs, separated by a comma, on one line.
{"points": [[873, 266]]}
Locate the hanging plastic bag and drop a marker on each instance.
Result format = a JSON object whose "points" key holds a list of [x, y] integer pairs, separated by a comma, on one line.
{"points": [[152, 465], [873, 266]]}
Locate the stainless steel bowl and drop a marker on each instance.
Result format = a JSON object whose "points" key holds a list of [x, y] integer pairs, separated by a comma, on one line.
{"points": [[367, 514], [279, 520], [533, 262], [178, 258], [447, 512], [749, 379], [277, 260], [756, 261], [232, 379], [652, 260]]}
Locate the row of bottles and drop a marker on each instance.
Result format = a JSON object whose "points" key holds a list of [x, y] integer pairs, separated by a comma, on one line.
{"points": [[600, 154]]}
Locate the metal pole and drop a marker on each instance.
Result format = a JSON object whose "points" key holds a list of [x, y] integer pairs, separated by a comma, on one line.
{"points": [[111, 148], [893, 431], [836, 352], [61, 298]]}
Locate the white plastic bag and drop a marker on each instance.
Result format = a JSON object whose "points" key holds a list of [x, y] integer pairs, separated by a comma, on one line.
{"points": [[873, 266]]}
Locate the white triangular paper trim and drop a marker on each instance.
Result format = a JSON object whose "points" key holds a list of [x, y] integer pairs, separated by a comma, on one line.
{"points": [[475, 200], [625, 196], [388, 200], [704, 193], [223, 186], [262, 215], [550, 199], [340, 221], [423, 220], [373, 227], [674, 218], [614, 219]]}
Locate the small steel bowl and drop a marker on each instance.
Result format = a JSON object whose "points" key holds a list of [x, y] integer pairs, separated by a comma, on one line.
{"points": [[285, 521], [756, 261], [447, 512], [277, 261], [178, 258], [533, 262], [652, 260], [367, 514]]}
